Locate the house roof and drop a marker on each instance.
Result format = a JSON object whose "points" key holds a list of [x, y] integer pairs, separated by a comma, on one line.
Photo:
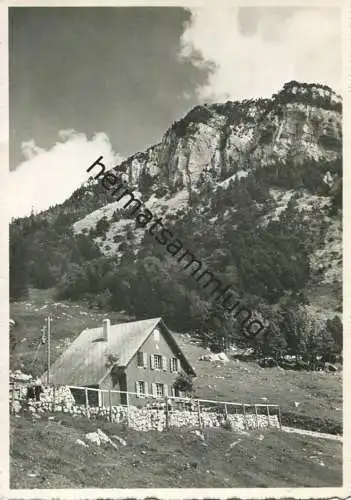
{"points": [[84, 362]]}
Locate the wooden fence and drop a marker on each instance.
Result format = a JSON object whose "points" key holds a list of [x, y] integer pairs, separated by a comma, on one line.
{"points": [[103, 400], [182, 403]]}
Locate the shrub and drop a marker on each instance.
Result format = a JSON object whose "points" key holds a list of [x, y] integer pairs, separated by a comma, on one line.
{"points": [[184, 383], [102, 226]]}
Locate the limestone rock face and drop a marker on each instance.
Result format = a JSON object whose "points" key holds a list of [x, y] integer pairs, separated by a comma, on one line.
{"points": [[298, 123]]}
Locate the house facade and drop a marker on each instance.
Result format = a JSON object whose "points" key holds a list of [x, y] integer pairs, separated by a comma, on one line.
{"points": [[140, 357]]}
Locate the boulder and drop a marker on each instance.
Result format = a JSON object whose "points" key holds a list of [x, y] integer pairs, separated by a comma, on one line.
{"points": [[120, 440], [99, 437], [82, 443], [93, 437], [221, 356]]}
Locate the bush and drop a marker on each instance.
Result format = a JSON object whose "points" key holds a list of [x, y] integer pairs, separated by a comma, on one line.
{"points": [[102, 226], [184, 383]]}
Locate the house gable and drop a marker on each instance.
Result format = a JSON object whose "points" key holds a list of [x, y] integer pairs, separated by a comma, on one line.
{"points": [[157, 362], [161, 341], [165, 345], [146, 371]]}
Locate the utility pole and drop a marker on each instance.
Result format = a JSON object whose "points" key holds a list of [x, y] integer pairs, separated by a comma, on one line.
{"points": [[48, 348]]}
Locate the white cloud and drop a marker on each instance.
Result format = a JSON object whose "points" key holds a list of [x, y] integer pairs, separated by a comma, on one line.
{"points": [[296, 44], [48, 177]]}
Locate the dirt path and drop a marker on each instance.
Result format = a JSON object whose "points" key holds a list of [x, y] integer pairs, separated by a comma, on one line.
{"points": [[320, 435]]}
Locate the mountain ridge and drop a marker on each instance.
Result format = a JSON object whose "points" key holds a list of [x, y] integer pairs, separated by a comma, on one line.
{"points": [[264, 175]]}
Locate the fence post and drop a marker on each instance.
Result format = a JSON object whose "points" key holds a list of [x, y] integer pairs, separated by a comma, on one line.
{"points": [[127, 399], [268, 417], [199, 414], [225, 411], [256, 416], [279, 418], [110, 405], [167, 413], [244, 413], [86, 402]]}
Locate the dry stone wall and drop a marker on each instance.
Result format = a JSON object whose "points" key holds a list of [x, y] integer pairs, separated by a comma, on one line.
{"points": [[142, 419]]}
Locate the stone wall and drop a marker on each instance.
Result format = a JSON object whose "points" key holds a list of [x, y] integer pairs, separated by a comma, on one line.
{"points": [[143, 419]]}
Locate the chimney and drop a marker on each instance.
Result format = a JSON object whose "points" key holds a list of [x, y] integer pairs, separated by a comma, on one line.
{"points": [[106, 330]]}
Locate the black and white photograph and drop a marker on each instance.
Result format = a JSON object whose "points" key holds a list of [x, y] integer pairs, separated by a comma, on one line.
{"points": [[175, 247]]}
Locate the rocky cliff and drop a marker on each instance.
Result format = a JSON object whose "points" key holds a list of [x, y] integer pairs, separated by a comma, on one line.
{"points": [[301, 122], [254, 185], [216, 144]]}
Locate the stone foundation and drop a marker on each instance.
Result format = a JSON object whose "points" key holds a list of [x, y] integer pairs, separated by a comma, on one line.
{"points": [[142, 419]]}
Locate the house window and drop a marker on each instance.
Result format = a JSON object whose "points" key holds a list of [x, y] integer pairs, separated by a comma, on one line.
{"points": [[142, 359], [157, 361], [140, 388], [174, 364], [156, 334], [160, 390]]}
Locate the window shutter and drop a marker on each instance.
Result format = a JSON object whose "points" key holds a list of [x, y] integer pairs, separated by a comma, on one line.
{"points": [[166, 390], [154, 393], [172, 390], [152, 362], [146, 389], [170, 364], [164, 363], [137, 389], [177, 364], [145, 359]]}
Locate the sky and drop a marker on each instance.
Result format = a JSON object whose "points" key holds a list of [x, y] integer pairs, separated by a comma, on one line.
{"points": [[86, 82]]}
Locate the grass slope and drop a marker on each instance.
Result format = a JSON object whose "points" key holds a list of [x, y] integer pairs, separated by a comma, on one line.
{"points": [[68, 320], [44, 454], [319, 394]]}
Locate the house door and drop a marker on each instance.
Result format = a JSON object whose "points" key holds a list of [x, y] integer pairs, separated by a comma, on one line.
{"points": [[123, 387]]}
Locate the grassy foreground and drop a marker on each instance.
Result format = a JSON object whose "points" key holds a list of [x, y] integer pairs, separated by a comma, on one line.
{"points": [[45, 454]]}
